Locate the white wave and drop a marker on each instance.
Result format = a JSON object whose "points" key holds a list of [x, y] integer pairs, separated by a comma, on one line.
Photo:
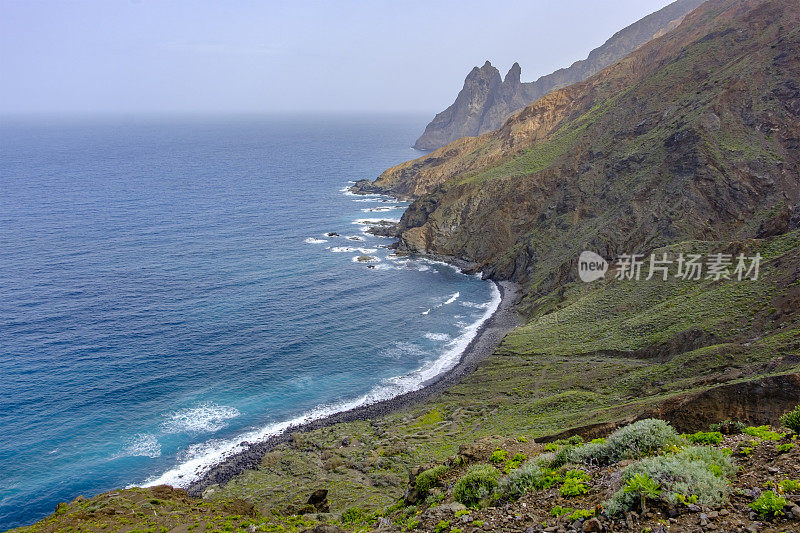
{"points": [[355, 237], [312, 240], [426, 312], [453, 298], [374, 221], [206, 417], [474, 305], [203, 458], [437, 336], [382, 208], [141, 445], [404, 350], [351, 249]]}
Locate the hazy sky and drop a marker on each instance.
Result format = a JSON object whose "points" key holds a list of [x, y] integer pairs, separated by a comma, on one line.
{"points": [[263, 56]]}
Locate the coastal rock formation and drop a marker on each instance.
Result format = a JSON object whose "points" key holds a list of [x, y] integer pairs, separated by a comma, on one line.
{"points": [[693, 136], [487, 100]]}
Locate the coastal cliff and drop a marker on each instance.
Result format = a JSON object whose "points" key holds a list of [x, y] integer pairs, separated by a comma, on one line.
{"points": [[487, 100], [693, 136]]}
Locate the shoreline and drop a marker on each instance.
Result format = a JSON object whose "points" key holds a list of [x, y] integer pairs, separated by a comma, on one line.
{"points": [[483, 345]]}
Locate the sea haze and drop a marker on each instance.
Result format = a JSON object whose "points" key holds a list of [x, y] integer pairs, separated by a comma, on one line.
{"points": [[167, 290]]}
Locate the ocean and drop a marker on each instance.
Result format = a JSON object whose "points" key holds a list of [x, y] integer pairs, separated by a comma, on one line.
{"points": [[168, 290]]}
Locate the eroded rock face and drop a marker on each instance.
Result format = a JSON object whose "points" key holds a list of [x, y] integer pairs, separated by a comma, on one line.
{"points": [[487, 100]]}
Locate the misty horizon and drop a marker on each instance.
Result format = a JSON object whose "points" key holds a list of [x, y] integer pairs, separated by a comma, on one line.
{"points": [[139, 58]]}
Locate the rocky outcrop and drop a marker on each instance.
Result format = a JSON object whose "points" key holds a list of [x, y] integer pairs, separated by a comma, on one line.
{"points": [[487, 100], [693, 136]]}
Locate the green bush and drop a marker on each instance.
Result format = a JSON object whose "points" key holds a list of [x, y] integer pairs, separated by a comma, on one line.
{"points": [[696, 471], [426, 480], [356, 515], [704, 437], [533, 475], [444, 525], [498, 456], [514, 462], [560, 511], [791, 486], [551, 447], [791, 420], [643, 486], [763, 432], [581, 513], [573, 487], [769, 505], [479, 482], [574, 483], [784, 448]]}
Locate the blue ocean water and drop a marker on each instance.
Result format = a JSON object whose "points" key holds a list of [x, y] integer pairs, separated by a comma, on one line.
{"points": [[168, 290]]}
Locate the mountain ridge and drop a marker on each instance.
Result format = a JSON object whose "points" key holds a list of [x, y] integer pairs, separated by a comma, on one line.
{"points": [[486, 100]]}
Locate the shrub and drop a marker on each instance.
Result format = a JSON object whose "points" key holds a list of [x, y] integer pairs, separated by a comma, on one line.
{"points": [[443, 525], [791, 419], [645, 487], [551, 447], [642, 438], [704, 437], [789, 485], [522, 439], [498, 456], [763, 432], [477, 483], [560, 511], [514, 462], [784, 448], [530, 476], [477, 523], [356, 515], [581, 514], [426, 480], [434, 498], [696, 471], [456, 530], [412, 524], [573, 487], [769, 505]]}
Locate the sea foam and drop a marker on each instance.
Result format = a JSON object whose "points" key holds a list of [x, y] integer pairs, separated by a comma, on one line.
{"points": [[202, 458], [206, 417]]}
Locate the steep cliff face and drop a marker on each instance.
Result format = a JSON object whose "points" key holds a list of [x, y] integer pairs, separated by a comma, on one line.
{"points": [[693, 136], [486, 100]]}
